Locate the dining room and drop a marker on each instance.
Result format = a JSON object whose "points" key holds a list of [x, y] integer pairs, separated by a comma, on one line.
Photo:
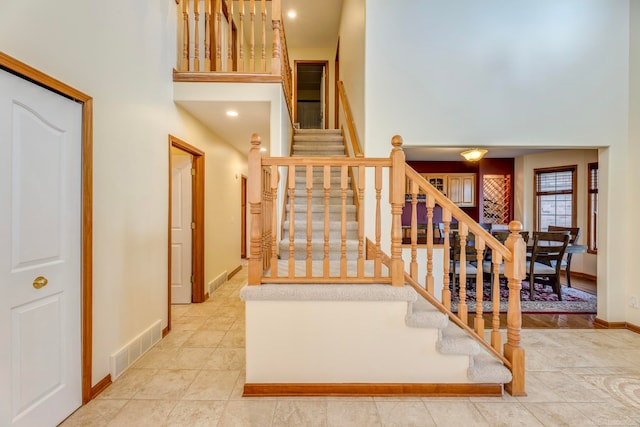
{"points": [[545, 190]]}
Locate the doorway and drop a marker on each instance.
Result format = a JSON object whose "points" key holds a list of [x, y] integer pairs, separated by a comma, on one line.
{"points": [[186, 224], [311, 94], [46, 190]]}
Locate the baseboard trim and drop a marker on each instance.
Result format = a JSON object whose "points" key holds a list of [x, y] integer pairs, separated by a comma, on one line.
{"points": [[583, 275], [99, 388], [234, 272], [603, 324], [633, 328], [383, 389]]}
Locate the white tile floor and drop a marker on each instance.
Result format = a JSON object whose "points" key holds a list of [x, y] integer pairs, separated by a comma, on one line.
{"points": [[195, 376]]}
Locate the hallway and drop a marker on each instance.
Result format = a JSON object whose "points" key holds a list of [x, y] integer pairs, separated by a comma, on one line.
{"points": [[194, 377]]}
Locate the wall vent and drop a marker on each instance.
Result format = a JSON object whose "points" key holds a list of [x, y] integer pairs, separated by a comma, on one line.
{"points": [[130, 352], [217, 282]]}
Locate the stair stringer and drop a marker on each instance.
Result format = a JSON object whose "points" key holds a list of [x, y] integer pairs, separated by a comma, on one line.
{"points": [[483, 367]]}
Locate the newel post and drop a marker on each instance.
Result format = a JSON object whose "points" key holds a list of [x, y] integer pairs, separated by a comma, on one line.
{"points": [[515, 271], [254, 196], [396, 197]]}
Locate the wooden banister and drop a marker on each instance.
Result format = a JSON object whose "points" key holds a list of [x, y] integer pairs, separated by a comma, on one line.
{"points": [[201, 51], [351, 127], [328, 255]]}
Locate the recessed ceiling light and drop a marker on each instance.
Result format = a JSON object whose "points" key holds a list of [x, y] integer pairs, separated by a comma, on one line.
{"points": [[232, 113], [292, 14]]}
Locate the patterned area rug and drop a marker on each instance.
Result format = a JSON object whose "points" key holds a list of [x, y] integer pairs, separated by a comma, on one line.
{"points": [[573, 300]]}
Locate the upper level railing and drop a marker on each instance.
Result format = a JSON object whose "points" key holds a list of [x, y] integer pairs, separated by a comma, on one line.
{"points": [[364, 261], [233, 41]]}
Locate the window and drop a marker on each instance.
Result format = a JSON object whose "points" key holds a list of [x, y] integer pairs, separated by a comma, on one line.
{"points": [[593, 208], [555, 197]]}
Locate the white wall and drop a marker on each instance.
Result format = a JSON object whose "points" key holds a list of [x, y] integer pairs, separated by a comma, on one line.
{"points": [[633, 197], [551, 73], [352, 60], [497, 72], [524, 175], [121, 53], [319, 54]]}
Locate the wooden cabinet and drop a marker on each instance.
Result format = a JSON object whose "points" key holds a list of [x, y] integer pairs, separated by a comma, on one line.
{"points": [[459, 187]]}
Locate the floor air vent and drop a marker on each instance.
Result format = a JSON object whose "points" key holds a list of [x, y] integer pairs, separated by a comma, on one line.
{"points": [[123, 358], [217, 282]]}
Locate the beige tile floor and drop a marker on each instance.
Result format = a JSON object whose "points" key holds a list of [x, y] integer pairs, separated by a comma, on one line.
{"points": [[195, 376]]}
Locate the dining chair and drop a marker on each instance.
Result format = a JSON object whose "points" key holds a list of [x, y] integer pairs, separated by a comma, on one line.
{"points": [[574, 235], [545, 262], [487, 264]]}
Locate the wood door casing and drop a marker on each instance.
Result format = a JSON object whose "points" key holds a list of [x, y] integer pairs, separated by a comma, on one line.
{"points": [[198, 292], [23, 70]]}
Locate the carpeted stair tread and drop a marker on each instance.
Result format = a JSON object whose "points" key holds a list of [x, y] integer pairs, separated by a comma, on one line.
{"points": [[317, 137], [484, 368], [317, 268], [301, 225], [421, 314], [453, 340], [318, 131], [317, 249]]}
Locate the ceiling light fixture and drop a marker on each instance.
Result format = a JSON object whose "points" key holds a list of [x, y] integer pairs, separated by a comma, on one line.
{"points": [[474, 154], [232, 113], [292, 14]]}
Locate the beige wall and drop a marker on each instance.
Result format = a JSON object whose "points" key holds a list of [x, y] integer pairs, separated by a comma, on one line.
{"points": [[121, 53], [631, 160]]}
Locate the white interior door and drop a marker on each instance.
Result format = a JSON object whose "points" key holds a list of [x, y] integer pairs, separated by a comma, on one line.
{"points": [[181, 231], [40, 254]]}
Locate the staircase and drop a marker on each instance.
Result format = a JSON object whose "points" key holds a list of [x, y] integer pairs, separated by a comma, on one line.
{"points": [[319, 143], [418, 345]]}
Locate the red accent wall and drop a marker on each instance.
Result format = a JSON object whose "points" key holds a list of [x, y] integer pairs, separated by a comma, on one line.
{"points": [[481, 168]]}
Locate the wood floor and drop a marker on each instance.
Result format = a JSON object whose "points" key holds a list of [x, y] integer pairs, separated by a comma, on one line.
{"points": [[555, 321]]}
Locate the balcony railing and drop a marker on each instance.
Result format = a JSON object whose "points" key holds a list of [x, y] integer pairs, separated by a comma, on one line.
{"points": [[233, 41]]}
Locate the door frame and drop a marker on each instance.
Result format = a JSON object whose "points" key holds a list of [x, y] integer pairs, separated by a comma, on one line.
{"points": [[27, 72], [243, 216], [336, 79], [197, 241], [325, 107]]}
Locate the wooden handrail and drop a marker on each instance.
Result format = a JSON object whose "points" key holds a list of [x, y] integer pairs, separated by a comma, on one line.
{"points": [[353, 136]]}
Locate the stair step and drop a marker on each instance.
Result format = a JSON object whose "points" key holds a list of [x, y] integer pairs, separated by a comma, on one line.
{"points": [[323, 154], [318, 179], [317, 249], [315, 137], [322, 131], [334, 225], [301, 209], [317, 193], [454, 340], [484, 368], [422, 314], [334, 268]]}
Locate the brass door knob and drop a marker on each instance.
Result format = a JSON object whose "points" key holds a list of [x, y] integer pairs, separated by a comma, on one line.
{"points": [[40, 282]]}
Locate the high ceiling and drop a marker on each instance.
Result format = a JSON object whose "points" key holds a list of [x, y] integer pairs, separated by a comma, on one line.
{"points": [[315, 25]]}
